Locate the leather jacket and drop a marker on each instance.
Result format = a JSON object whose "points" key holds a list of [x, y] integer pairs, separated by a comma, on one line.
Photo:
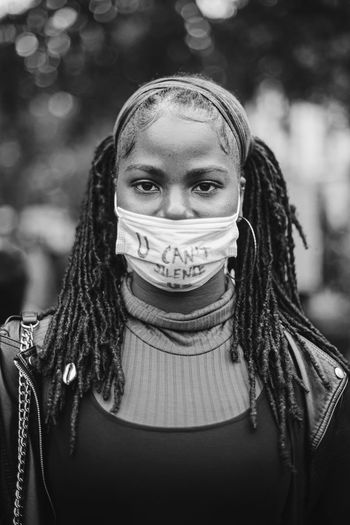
{"points": [[324, 501]]}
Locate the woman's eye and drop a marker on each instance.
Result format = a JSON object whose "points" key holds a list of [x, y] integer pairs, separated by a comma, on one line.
{"points": [[146, 186], [205, 187]]}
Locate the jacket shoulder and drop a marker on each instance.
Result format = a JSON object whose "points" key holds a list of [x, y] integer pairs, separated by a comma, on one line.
{"points": [[10, 347], [321, 398], [10, 331]]}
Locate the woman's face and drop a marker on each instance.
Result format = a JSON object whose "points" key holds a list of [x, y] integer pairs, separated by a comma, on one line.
{"points": [[178, 170]]}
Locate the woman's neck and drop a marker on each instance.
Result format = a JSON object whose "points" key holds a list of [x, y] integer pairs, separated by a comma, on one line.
{"points": [[181, 302]]}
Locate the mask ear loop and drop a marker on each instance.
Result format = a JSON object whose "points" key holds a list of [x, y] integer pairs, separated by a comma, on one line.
{"points": [[115, 204], [240, 218]]}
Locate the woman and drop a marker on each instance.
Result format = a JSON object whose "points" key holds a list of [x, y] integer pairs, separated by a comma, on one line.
{"points": [[179, 376]]}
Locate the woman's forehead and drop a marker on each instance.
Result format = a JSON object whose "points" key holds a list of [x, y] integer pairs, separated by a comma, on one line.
{"points": [[194, 96], [189, 131], [173, 127]]}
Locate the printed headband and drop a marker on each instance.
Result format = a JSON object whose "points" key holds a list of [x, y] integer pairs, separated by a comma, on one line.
{"points": [[228, 106]]}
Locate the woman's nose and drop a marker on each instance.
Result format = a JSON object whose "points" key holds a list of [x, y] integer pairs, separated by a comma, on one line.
{"points": [[176, 205]]}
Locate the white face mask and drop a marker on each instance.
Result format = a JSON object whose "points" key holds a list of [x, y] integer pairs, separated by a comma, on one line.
{"points": [[176, 255]]}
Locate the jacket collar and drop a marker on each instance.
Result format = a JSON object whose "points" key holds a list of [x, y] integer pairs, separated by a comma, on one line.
{"points": [[321, 399]]}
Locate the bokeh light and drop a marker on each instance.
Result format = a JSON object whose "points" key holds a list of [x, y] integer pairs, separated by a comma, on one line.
{"points": [[26, 44], [64, 18], [58, 45], [36, 61], [218, 9], [61, 104], [103, 10], [15, 7]]}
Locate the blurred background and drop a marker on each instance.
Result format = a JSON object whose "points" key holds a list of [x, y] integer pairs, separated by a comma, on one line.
{"points": [[66, 68]]}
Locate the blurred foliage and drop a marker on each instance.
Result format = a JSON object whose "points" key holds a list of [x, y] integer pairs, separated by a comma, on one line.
{"points": [[68, 65]]}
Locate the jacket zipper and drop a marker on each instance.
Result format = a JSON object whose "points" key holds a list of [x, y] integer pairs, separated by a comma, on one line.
{"points": [[23, 369]]}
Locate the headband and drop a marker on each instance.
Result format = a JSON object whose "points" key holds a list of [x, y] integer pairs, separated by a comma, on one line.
{"points": [[227, 105]]}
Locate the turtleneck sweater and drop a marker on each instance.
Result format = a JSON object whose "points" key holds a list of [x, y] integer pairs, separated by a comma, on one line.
{"points": [[181, 448], [178, 368]]}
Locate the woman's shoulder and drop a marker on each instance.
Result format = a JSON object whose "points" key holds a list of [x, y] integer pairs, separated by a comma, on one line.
{"points": [[10, 346], [325, 380], [313, 361], [10, 331]]}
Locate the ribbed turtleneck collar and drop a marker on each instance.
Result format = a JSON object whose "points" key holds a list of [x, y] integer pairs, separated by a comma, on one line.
{"points": [[203, 319], [176, 333]]}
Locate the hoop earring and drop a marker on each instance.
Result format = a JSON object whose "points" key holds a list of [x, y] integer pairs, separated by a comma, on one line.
{"points": [[253, 236]]}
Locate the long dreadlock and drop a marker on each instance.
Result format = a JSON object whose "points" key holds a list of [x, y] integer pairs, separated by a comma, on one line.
{"points": [[268, 303], [88, 324]]}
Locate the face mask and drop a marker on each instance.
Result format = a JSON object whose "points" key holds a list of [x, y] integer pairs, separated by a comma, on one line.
{"points": [[176, 255]]}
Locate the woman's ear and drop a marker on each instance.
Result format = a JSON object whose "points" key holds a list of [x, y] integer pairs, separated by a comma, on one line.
{"points": [[242, 183]]}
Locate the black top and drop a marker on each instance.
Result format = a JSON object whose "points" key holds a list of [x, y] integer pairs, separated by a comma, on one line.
{"points": [[122, 472]]}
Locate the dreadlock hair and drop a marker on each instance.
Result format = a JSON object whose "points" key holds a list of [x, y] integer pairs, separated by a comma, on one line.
{"points": [[88, 324]]}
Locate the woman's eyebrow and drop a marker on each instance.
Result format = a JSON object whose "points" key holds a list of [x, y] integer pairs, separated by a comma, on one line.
{"points": [[145, 167], [207, 169], [195, 171]]}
